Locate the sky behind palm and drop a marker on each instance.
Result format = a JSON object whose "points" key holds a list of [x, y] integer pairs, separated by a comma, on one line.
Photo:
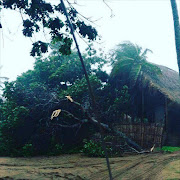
{"points": [[147, 23]]}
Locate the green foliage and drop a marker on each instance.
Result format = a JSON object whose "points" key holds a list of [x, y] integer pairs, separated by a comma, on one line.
{"points": [[79, 89], [92, 149], [122, 101], [40, 13], [129, 61], [130, 67], [38, 48], [30, 100], [28, 150], [5, 149], [57, 149], [29, 28], [74, 149], [86, 31], [32, 97], [12, 119], [170, 149], [102, 75], [65, 48]]}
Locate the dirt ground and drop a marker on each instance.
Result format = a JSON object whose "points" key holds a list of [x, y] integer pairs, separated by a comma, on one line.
{"points": [[155, 166]]}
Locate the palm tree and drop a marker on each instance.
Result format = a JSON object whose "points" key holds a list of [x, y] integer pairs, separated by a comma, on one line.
{"points": [[176, 30], [130, 62]]}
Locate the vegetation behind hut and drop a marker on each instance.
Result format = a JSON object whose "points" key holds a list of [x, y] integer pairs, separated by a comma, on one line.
{"points": [[30, 100]]}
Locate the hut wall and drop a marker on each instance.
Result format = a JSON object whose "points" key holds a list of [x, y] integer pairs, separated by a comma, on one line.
{"points": [[159, 114], [145, 134], [173, 128]]}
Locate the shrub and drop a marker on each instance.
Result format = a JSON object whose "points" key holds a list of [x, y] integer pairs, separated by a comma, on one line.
{"points": [[58, 149], [55, 149], [74, 149], [27, 150], [167, 149], [170, 149], [92, 149]]}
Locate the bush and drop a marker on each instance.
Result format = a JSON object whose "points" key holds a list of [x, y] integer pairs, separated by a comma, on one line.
{"points": [[92, 149], [27, 150], [170, 149], [4, 149], [167, 149], [74, 149], [56, 150]]}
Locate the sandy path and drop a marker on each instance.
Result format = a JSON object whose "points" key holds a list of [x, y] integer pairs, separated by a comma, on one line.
{"points": [[77, 167]]}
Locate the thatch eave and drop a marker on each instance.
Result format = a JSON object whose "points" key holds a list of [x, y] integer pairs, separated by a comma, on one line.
{"points": [[167, 83]]}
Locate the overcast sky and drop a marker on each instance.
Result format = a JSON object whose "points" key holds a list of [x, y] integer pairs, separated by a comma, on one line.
{"points": [[147, 23]]}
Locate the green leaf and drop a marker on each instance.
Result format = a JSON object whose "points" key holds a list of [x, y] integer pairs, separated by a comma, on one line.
{"points": [[122, 66]]}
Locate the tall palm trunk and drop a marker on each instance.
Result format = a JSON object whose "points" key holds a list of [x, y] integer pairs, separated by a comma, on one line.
{"points": [[142, 108], [176, 30]]}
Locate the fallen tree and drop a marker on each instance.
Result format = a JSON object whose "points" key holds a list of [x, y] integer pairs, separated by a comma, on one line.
{"points": [[90, 119]]}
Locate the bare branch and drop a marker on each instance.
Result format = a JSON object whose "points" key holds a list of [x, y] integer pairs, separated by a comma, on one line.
{"points": [[112, 15], [75, 2], [72, 116], [84, 18], [67, 126], [105, 127]]}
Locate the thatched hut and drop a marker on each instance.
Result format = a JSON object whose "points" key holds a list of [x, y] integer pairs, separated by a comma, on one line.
{"points": [[158, 100]]}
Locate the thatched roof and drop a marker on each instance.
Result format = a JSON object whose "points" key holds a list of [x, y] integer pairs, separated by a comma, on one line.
{"points": [[168, 83]]}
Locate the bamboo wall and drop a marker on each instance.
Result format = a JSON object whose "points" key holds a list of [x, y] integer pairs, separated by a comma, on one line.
{"points": [[145, 135]]}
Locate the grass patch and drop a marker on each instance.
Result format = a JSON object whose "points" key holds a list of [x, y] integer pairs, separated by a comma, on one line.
{"points": [[169, 149]]}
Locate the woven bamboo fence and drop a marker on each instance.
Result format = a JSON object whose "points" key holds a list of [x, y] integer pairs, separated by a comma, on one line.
{"points": [[145, 135]]}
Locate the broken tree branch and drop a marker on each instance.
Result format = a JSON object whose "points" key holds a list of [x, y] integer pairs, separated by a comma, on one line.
{"points": [[105, 127]]}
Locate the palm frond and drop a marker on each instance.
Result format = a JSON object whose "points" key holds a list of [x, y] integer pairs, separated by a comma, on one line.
{"points": [[126, 49], [138, 49], [145, 52], [121, 66], [131, 59], [124, 61]]}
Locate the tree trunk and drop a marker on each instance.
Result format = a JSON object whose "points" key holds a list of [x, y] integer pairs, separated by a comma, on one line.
{"points": [[142, 98], [142, 107], [142, 115], [176, 30], [106, 128]]}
